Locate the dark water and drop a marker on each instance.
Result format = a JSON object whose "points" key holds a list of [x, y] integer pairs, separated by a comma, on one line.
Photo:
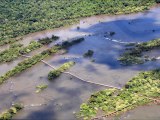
{"points": [[64, 95]]}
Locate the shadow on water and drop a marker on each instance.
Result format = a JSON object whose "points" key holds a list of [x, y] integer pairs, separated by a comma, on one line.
{"points": [[108, 50], [64, 97]]}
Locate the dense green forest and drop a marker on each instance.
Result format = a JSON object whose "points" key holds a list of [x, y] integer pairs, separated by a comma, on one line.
{"points": [[20, 17]]}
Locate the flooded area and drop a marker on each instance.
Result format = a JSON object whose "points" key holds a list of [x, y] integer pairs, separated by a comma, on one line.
{"points": [[64, 95], [4, 67], [143, 113]]}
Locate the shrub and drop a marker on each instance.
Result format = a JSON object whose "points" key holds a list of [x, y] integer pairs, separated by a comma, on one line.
{"points": [[89, 53], [8, 114], [41, 87], [66, 44], [46, 41], [56, 73]]}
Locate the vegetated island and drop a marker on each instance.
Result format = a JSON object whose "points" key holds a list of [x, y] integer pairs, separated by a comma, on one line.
{"points": [[56, 73], [135, 54], [27, 63]]}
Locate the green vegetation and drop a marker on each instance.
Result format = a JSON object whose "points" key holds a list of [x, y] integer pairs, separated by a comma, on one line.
{"points": [[134, 55], [67, 44], [89, 53], [35, 59], [10, 41], [15, 49], [8, 114], [28, 63], [19, 18], [56, 73], [46, 41], [41, 88], [141, 90]]}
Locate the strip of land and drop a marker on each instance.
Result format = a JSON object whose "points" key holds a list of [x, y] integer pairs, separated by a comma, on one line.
{"points": [[37, 58], [17, 49], [8, 114], [135, 54]]}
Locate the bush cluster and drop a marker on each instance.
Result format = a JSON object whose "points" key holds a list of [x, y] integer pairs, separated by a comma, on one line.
{"points": [[46, 41], [8, 114], [56, 73]]}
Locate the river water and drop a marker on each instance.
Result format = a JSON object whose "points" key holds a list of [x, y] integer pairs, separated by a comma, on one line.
{"points": [[64, 95]]}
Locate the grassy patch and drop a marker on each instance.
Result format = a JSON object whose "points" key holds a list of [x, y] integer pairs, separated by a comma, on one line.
{"points": [[18, 18], [8, 114], [14, 51], [134, 54], [135, 93], [56, 73], [41, 87]]}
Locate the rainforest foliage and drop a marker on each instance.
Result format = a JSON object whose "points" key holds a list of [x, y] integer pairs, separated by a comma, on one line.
{"points": [[18, 17], [140, 90], [135, 54]]}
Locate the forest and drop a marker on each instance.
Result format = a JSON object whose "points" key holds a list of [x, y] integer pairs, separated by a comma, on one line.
{"points": [[19, 17]]}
